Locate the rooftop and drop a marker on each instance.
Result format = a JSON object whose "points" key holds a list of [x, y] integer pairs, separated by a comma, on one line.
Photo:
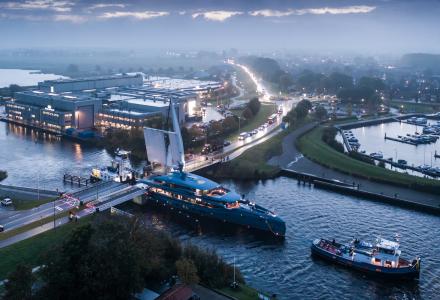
{"points": [[72, 80]]}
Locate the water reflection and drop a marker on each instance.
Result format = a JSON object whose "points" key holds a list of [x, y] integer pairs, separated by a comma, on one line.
{"points": [[287, 268]]}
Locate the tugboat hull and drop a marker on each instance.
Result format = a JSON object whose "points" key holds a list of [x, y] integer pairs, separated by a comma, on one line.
{"points": [[409, 272]]}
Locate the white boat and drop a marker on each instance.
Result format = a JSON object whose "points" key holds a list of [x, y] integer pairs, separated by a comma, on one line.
{"points": [[118, 170]]}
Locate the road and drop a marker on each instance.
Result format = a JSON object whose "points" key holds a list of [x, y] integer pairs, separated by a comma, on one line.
{"points": [[101, 192], [237, 147]]}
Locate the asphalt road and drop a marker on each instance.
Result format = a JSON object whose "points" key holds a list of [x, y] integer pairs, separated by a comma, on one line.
{"points": [[20, 218]]}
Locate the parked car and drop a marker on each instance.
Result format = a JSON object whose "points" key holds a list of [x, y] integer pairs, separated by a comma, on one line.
{"points": [[6, 201]]}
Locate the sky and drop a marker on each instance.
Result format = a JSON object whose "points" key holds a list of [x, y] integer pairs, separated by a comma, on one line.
{"points": [[379, 26]]}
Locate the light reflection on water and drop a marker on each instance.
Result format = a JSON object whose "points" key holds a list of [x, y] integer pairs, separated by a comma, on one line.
{"points": [[287, 268], [372, 140]]}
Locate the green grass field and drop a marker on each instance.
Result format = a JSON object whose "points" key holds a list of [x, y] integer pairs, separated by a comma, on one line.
{"points": [[265, 111], [243, 292], [21, 204], [30, 251], [312, 146], [421, 108]]}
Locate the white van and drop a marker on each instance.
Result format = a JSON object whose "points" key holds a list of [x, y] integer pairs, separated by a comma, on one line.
{"points": [[243, 136], [6, 201]]}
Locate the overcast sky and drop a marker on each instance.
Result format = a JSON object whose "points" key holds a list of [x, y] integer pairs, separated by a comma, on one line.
{"points": [[379, 26]]}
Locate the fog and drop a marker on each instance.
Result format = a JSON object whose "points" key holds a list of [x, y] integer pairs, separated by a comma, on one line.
{"points": [[365, 27]]}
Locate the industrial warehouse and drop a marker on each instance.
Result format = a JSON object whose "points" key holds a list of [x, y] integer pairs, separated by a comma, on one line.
{"points": [[78, 107]]}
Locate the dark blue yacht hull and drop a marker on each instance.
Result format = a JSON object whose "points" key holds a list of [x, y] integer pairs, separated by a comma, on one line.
{"points": [[239, 216]]}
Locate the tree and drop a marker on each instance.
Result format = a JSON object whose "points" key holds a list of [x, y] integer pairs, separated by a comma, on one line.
{"points": [[101, 262], [247, 114], [254, 105], [320, 112], [285, 82], [187, 271], [72, 68], [19, 284], [302, 108]]}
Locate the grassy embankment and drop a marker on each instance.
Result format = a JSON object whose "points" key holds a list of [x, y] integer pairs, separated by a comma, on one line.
{"points": [[313, 147], [409, 107], [30, 251], [7, 234], [243, 292], [24, 204], [252, 164], [259, 119]]}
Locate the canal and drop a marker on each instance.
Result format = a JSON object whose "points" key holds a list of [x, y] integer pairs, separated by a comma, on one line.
{"points": [[287, 269], [284, 268]]}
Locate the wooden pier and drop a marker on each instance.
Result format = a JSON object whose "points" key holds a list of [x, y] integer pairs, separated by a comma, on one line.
{"points": [[400, 140], [73, 179]]}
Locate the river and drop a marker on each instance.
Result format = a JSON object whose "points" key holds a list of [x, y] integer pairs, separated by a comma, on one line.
{"points": [[283, 268], [287, 269], [24, 77]]}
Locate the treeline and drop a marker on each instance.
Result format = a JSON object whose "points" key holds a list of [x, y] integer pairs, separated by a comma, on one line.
{"points": [[3, 175], [113, 258], [366, 90], [329, 137], [10, 90], [299, 113], [269, 70]]}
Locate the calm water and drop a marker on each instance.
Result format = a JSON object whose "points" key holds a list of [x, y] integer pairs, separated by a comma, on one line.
{"points": [[33, 158], [284, 268], [24, 77], [372, 139], [288, 269]]}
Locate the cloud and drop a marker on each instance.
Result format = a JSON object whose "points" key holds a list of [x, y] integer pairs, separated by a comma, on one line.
{"points": [[271, 13], [216, 15], [106, 5], [70, 18], [356, 9], [54, 5], [139, 15]]}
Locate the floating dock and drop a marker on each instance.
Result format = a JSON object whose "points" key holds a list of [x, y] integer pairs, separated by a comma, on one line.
{"points": [[73, 179]]}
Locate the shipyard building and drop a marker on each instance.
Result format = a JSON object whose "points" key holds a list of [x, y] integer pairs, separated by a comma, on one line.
{"points": [[119, 101]]}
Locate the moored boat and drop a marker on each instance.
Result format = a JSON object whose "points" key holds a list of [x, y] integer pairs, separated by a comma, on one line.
{"points": [[380, 259]]}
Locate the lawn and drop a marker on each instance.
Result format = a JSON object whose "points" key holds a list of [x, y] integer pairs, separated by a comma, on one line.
{"points": [[265, 111], [7, 234], [21, 204], [312, 146], [30, 251], [243, 292], [410, 107]]}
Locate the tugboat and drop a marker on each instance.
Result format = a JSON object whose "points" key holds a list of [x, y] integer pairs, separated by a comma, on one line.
{"points": [[380, 259], [118, 170]]}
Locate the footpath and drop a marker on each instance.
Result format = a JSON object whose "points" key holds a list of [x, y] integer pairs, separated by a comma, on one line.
{"points": [[292, 159]]}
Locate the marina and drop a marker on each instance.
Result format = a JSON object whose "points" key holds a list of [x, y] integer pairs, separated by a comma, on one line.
{"points": [[402, 146]]}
